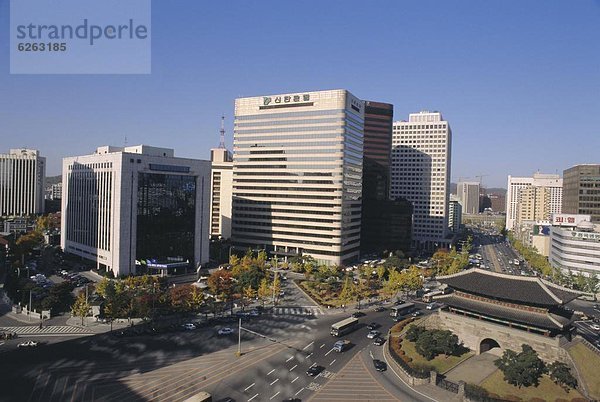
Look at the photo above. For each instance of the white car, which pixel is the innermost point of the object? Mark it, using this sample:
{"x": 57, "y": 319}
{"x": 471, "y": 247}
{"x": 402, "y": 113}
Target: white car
{"x": 373, "y": 334}
{"x": 595, "y": 327}
{"x": 189, "y": 326}
{"x": 28, "y": 344}
{"x": 225, "y": 331}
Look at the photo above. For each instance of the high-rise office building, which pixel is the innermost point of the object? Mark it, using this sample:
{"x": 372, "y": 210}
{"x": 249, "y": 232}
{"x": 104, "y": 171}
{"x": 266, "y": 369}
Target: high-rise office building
{"x": 421, "y": 154}
{"x": 468, "y": 196}
{"x": 533, "y": 204}
{"x": 454, "y": 214}
{"x": 581, "y": 191}
{"x": 136, "y": 209}
{"x": 22, "y": 177}
{"x": 297, "y": 174}
{"x": 221, "y": 186}
{"x": 552, "y": 181}
{"x": 386, "y": 224}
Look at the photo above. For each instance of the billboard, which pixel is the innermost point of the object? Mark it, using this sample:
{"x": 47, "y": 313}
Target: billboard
{"x": 569, "y": 219}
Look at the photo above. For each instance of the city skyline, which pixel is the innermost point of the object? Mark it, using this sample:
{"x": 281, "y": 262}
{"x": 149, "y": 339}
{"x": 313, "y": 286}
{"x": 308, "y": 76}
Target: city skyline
{"x": 509, "y": 82}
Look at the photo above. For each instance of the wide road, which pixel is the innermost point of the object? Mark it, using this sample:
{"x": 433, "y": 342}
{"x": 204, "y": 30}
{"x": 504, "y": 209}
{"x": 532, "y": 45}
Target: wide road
{"x": 173, "y": 366}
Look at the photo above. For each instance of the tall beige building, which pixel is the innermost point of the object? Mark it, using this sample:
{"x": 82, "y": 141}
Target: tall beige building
{"x": 297, "y": 174}
{"x": 515, "y": 184}
{"x": 468, "y": 196}
{"x": 534, "y": 204}
{"x": 421, "y": 153}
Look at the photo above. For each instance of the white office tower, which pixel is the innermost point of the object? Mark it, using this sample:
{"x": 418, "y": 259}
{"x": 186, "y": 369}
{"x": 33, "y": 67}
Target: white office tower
{"x": 421, "y": 153}
{"x": 22, "y": 177}
{"x": 136, "y": 209}
{"x": 221, "y": 186}
{"x": 552, "y": 182}
{"x": 468, "y": 196}
{"x": 297, "y": 174}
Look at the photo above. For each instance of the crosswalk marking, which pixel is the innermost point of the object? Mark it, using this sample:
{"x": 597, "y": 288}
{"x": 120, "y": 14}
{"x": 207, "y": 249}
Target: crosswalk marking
{"x": 49, "y": 330}
{"x": 297, "y": 311}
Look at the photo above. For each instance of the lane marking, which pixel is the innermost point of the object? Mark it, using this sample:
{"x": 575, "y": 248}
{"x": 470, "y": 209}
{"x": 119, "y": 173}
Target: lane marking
{"x": 322, "y": 346}
{"x": 278, "y": 392}
{"x": 332, "y": 362}
{"x": 291, "y": 357}
{"x": 330, "y": 350}
{"x": 309, "y": 356}
{"x": 277, "y": 379}
{"x": 249, "y": 386}
{"x": 308, "y": 346}
{"x": 314, "y": 364}
{"x": 294, "y": 367}
{"x": 301, "y": 389}
{"x": 270, "y": 372}
{"x": 295, "y": 379}
{"x": 252, "y": 397}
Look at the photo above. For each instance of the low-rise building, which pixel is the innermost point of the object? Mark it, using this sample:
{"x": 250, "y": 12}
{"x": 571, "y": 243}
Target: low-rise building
{"x": 575, "y": 244}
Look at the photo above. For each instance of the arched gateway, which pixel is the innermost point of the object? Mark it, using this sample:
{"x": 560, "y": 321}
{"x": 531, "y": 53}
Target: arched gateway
{"x": 487, "y": 344}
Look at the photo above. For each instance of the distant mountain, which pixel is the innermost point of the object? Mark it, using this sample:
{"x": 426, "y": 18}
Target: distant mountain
{"x": 489, "y": 190}
{"x": 53, "y": 180}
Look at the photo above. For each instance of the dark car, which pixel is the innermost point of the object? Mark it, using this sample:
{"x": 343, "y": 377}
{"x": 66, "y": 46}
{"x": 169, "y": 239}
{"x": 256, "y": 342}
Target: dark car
{"x": 379, "y": 365}
{"x": 314, "y": 371}
{"x": 379, "y": 309}
{"x": 358, "y": 314}
{"x": 372, "y": 325}
{"x": 378, "y": 341}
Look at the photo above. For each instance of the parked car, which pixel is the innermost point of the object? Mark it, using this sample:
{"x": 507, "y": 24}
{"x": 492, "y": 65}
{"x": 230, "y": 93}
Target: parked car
{"x": 379, "y": 365}
{"x": 225, "y": 331}
{"x": 314, "y": 371}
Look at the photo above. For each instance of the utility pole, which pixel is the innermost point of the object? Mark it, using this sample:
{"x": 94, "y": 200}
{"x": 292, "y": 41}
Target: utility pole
{"x": 29, "y": 306}
{"x": 239, "y": 351}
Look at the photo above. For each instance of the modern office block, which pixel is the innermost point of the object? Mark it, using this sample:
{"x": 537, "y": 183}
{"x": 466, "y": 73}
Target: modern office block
{"x": 581, "y": 190}
{"x": 421, "y": 154}
{"x": 297, "y": 174}
{"x": 136, "y": 209}
{"x": 468, "y": 196}
{"x": 22, "y": 177}
{"x": 552, "y": 181}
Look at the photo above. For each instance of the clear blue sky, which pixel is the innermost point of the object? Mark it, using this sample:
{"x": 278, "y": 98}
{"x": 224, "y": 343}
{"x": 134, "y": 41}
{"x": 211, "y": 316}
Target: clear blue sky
{"x": 519, "y": 81}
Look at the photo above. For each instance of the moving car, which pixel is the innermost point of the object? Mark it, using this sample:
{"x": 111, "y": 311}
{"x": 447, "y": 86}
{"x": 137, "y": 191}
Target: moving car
{"x": 189, "y": 326}
{"x": 379, "y": 365}
{"x": 372, "y": 325}
{"x": 378, "y": 341}
{"x": 28, "y": 344}
{"x": 595, "y": 327}
{"x": 358, "y": 314}
{"x": 225, "y": 331}
{"x": 373, "y": 334}
{"x": 416, "y": 314}
{"x": 340, "y": 346}
{"x": 314, "y": 371}
{"x": 379, "y": 309}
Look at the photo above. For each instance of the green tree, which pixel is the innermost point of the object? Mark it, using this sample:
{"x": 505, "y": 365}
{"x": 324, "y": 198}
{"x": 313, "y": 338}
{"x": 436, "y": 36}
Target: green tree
{"x": 560, "y": 373}
{"x": 81, "y": 307}
{"x": 521, "y": 369}
{"x": 276, "y": 287}
{"x": 347, "y": 292}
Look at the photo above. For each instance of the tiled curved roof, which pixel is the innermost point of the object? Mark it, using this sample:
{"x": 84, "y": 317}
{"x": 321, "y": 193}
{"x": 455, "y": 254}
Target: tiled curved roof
{"x": 520, "y": 289}
{"x": 539, "y": 320}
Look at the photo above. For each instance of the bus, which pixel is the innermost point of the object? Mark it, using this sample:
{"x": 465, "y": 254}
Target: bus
{"x": 402, "y": 309}
{"x": 344, "y": 326}
{"x": 428, "y": 297}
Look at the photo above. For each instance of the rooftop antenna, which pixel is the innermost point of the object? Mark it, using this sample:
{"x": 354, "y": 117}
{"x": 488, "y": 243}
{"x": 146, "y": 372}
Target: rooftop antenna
{"x": 222, "y": 131}
{"x": 125, "y": 141}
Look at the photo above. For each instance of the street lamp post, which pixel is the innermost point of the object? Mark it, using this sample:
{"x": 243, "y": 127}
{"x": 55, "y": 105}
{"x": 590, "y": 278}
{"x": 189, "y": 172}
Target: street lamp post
{"x": 239, "y": 351}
